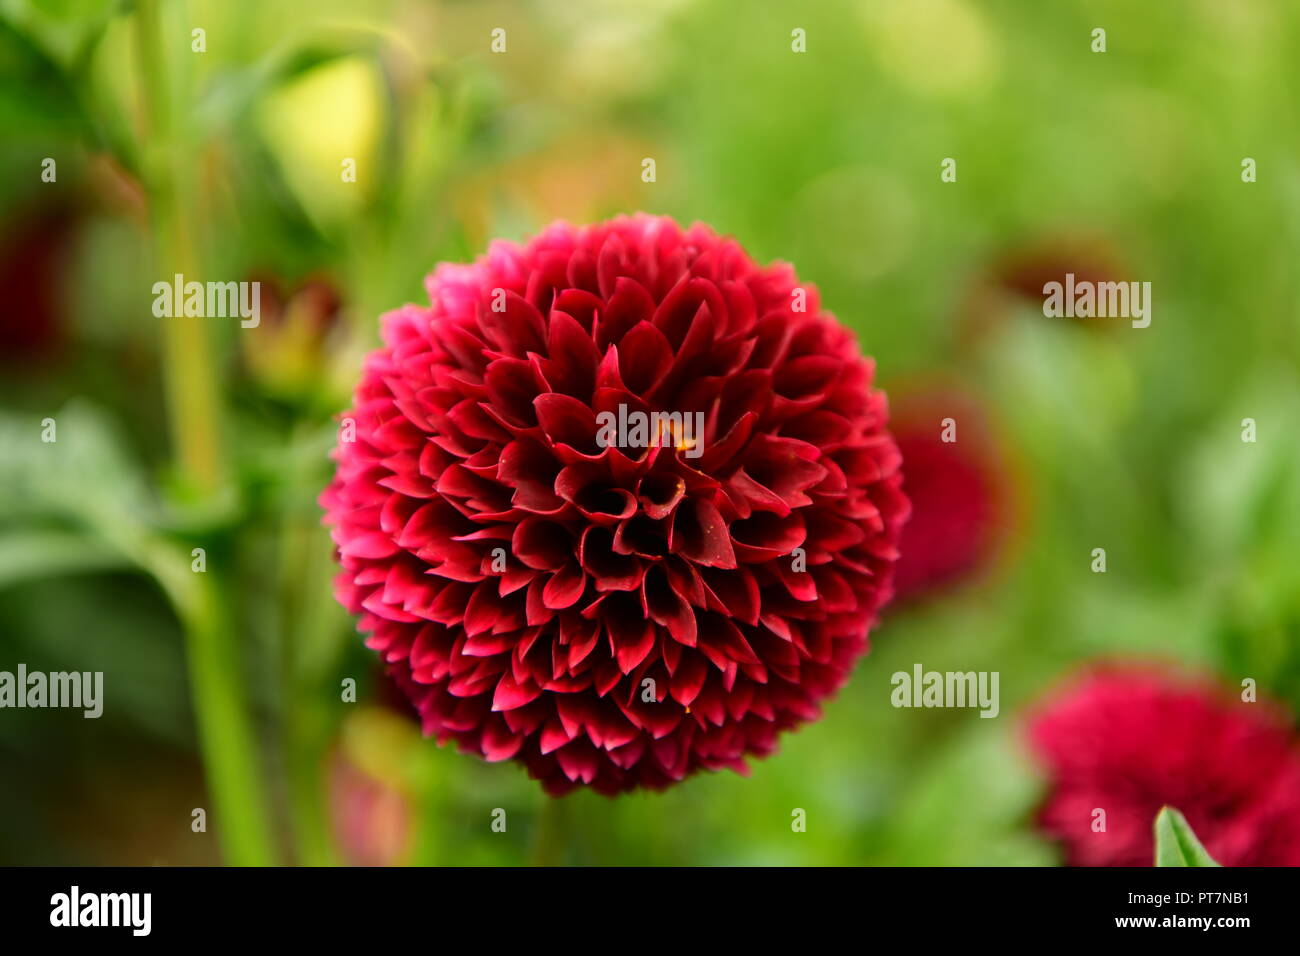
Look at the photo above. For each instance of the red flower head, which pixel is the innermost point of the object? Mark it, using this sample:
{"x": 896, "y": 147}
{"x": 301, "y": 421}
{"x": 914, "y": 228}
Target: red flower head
{"x": 621, "y": 504}
{"x": 33, "y": 323}
{"x": 1129, "y": 742}
{"x": 959, "y": 487}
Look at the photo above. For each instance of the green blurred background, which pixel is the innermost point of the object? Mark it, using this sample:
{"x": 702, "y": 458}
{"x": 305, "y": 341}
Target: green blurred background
{"x": 223, "y": 689}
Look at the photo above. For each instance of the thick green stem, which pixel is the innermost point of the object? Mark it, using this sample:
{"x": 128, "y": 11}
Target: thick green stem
{"x": 240, "y": 812}
{"x": 548, "y": 841}
{"x": 430, "y": 796}
{"x": 305, "y": 769}
{"x": 192, "y": 404}
{"x": 230, "y": 752}
{"x": 228, "y": 743}
{"x": 305, "y": 724}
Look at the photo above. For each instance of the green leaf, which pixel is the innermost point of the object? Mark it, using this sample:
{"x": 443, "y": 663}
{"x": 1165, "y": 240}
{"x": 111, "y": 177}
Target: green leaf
{"x": 85, "y": 473}
{"x": 84, "y": 478}
{"x": 1176, "y": 844}
{"x": 25, "y": 555}
{"x": 66, "y": 29}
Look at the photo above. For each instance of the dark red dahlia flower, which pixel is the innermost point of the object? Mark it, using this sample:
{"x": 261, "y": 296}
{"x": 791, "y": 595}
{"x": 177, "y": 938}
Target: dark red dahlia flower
{"x": 1129, "y": 742}
{"x": 616, "y": 613}
{"x": 960, "y": 491}
{"x": 33, "y": 322}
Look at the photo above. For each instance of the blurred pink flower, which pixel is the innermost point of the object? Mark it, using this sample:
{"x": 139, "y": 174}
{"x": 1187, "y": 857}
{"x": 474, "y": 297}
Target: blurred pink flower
{"x": 371, "y": 820}
{"x": 1129, "y": 741}
{"x": 961, "y": 491}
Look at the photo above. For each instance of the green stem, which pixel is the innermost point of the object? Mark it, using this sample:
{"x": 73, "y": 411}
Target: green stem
{"x": 548, "y": 839}
{"x": 430, "y": 794}
{"x": 231, "y": 758}
{"x": 227, "y": 741}
{"x": 229, "y": 746}
{"x": 305, "y": 724}
{"x": 193, "y": 407}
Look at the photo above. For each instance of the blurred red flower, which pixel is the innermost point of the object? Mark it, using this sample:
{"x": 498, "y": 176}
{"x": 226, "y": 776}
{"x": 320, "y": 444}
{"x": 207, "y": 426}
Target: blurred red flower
{"x": 287, "y": 357}
{"x": 616, "y": 614}
{"x": 1131, "y": 741}
{"x": 371, "y": 820}
{"x": 958, "y": 484}
{"x": 33, "y": 246}
{"x": 1016, "y": 276}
